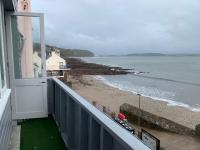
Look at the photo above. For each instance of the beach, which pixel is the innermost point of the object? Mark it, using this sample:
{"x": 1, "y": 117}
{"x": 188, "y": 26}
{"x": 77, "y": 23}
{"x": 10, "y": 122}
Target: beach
{"x": 93, "y": 89}
{"x": 98, "y": 81}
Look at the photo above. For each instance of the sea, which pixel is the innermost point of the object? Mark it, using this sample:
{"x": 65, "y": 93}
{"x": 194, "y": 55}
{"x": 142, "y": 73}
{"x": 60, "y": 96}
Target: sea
{"x": 172, "y": 79}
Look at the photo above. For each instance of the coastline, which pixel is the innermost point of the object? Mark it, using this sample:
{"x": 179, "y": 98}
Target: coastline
{"x": 169, "y": 102}
{"x": 81, "y": 67}
{"x": 94, "y": 89}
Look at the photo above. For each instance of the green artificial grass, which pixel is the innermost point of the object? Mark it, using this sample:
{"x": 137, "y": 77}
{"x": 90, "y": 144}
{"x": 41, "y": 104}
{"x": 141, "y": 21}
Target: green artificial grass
{"x": 40, "y": 134}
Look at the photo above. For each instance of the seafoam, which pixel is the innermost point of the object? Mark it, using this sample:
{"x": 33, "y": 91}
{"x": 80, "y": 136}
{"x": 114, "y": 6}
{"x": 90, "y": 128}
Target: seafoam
{"x": 168, "y": 101}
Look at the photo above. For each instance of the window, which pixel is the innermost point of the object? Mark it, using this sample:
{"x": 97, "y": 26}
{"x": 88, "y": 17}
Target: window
{"x": 26, "y": 53}
{"x": 61, "y": 63}
{"x": 1, "y": 56}
{"x": 2, "y": 64}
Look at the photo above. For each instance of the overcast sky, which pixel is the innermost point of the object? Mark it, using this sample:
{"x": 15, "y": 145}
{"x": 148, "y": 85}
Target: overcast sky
{"x": 122, "y": 26}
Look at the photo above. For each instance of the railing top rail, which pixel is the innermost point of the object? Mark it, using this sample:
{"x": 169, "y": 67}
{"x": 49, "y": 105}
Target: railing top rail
{"x": 114, "y": 129}
{"x": 3, "y": 101}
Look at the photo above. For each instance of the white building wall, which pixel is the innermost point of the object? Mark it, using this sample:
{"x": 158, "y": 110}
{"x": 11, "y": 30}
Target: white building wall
{"x": 53, "y": 62}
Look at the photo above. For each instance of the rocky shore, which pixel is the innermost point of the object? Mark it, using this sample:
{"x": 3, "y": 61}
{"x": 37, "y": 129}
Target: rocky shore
{"x": 80, "y": 67}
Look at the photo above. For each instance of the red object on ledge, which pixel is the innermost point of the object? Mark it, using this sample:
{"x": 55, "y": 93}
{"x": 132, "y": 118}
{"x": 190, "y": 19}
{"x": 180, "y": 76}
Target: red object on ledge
{"x": 121, "y": 116}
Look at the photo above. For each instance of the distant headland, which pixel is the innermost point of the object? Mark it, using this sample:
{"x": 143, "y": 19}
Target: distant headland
{"x": 70, "y": 52}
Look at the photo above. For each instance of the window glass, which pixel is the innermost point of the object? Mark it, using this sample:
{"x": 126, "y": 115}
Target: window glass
{"x": 27, "y": 47}
{"x": 1, "y": 56}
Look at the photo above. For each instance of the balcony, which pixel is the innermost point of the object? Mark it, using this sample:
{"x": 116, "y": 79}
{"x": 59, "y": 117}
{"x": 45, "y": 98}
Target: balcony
{"x": 80, "y": 125}
{"x": 63, "y": 67}
{"x": 84, "y": 127}
{"x": 40, "y": 134}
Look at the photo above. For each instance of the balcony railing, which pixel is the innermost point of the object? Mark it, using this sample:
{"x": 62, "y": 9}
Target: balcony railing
{"x": 63, "y": 67}
{"x": 5, "y": 121}
{"x": 82, "y": 126}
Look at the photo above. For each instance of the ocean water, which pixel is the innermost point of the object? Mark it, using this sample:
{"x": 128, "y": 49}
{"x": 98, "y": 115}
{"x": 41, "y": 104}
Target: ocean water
{"x": 173, "y": 79}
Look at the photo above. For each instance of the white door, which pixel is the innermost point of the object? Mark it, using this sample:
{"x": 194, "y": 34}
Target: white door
{"x": 27, "y": 70}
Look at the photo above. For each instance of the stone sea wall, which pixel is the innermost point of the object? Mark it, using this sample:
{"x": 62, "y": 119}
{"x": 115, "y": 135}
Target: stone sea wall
{"x": 151, "y": 120}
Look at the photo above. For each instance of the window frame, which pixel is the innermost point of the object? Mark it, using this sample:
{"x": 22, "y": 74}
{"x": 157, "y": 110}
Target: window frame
{"x": 2, "y": 38}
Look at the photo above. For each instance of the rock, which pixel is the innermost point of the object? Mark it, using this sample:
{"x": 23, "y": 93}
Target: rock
{"x": 197, "y": 129}
{"x": 80, "y": 67}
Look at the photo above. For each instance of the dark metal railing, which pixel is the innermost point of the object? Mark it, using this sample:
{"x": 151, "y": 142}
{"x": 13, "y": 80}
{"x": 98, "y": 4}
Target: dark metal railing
{"x": 82, "y": 126}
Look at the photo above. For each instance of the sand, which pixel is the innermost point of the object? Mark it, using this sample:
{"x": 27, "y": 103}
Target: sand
{"x": 95, "y": 90}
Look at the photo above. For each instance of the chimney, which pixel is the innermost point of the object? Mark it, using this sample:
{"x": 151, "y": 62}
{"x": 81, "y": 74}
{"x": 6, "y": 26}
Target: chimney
{"x": 57, "y": 52}
{"x": 24, "y": 6}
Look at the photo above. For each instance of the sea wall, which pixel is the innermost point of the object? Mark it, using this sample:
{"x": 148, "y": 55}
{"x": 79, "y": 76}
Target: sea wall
{"x": 150, "y": 120}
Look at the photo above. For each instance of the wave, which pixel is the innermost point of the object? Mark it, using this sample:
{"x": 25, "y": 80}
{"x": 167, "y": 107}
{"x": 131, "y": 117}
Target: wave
{"x": 168, "y": 101}
{"x": 164, "y": 79}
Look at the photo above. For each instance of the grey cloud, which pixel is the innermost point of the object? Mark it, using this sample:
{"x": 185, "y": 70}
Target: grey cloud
{"x": 122, "y": 26}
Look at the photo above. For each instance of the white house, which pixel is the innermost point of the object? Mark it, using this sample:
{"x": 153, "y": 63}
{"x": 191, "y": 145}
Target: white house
{"x": 55, "y": 64}
{"x": 37, "y": 64}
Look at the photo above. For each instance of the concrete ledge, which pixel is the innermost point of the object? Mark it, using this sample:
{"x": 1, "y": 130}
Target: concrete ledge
{"x": 15, "y": 138}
